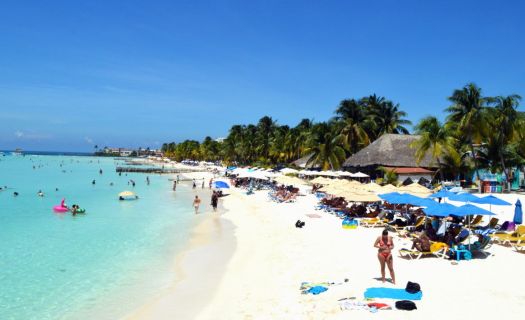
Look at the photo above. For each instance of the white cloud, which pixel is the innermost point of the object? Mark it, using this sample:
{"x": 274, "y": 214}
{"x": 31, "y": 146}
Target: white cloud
{"x": 31, "y": 135}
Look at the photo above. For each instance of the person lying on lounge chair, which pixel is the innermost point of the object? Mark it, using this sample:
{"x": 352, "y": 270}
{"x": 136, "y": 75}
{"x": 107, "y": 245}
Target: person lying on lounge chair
{"x": 422, "y": 243}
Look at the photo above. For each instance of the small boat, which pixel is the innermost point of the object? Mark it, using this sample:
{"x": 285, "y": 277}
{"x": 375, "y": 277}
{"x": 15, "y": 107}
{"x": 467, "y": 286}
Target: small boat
{"x": 17, "y": 152}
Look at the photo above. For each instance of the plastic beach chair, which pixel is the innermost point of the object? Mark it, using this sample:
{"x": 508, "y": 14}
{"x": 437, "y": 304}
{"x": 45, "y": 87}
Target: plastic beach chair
{"x": 519, "y": 245}
{"x": 437, "y": 249}
{"x": 509, "y": 237}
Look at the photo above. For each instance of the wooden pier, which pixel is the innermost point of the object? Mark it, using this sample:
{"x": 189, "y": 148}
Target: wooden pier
{"x": 155, "y": 170}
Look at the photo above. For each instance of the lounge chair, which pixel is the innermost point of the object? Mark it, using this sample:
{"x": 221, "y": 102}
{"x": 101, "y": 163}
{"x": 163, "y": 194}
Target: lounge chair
{"x": 437, "y": 249}
{"x": 372, "y": 222}
{"x": 493, "y": 223}
{"x": 519, "y": 245}
{"x": 476, "y": 221}
{"x": 509, "y": 237}
{"x": 405, "y": 231}
{"x": 480, "y": 247}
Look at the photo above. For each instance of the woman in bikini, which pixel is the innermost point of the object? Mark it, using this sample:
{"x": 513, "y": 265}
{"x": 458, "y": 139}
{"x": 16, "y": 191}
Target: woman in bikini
{"x": 385, "y": 244}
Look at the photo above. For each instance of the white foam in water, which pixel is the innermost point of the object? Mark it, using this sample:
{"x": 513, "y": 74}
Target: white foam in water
{"x": 99, "y": 265}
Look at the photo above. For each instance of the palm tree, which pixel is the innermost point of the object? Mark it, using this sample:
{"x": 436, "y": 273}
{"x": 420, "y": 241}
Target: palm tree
{"x": 265, "y": 128}
{"x": 353, "y": 123}
{"x": 436, "y": 138}
{"x": 327, "y": 147}
{"x": 507, "y": 121}
{"x": 389, "y": 119}
{"x": 467, "y": 111}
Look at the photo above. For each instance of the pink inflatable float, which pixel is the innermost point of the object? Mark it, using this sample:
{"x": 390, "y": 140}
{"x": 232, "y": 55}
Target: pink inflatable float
{"x": 61, "y": 208}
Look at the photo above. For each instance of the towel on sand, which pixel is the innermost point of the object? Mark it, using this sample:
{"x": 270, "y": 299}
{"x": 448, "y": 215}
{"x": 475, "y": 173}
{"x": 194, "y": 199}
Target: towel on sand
{"x": 392, "y": 293}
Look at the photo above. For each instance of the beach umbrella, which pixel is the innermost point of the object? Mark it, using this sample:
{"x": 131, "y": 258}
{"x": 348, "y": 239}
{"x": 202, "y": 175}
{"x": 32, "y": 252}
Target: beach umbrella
{"x": 492, "y": 200}
{"x": 221, "y": 185}
{"x": 442, "y": 194}
{"x": 470, "y": 209}
{"x": 389, "y": 196}
{"x": 440, "y": 210}
{"x": 464, "y": 197}
{"x": 518, "y": 213}
{"x": 360, "y": 175}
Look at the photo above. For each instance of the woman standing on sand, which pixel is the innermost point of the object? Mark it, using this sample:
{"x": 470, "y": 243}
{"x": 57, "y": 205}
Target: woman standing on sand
{"x": 385, "y": 244}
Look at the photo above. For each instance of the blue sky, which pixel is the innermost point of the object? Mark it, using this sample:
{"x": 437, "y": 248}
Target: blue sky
{"x": 139, "y": 73}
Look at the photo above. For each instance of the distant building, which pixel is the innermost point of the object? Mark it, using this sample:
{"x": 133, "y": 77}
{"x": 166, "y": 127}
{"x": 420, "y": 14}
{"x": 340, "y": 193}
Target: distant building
{"x": 392, "y": 151}
{"x": 220, "y": 140}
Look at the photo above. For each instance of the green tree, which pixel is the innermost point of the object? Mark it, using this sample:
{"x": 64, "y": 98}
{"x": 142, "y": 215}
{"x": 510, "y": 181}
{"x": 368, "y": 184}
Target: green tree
{"x": 327, "y": 147}
{"x": 353, "y": 124}
{"x": 436, "y": 139}
{"x": 467, "y": 112}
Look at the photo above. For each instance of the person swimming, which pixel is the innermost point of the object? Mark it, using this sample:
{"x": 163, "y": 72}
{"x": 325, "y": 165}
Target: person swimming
{"x": 40, "y": 193}
{"x": 385, "y": 244}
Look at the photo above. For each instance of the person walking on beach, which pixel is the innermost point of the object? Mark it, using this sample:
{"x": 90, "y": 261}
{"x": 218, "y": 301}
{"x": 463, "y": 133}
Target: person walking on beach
{"x": 385, "y": 244}
{"x": 211, "y": 182}
{"x": 202, "y": 183}
{"x": 194, "y": 184}
{"x": 214, "y": 200}
{"x": 174, "y": 185}
{"x": 196, "y": 204}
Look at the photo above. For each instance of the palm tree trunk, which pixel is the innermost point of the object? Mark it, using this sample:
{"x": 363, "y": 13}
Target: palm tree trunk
{"x": 442, "y": 177}
{"x": 476, "y": 170}
{"x": 505, "y": 170}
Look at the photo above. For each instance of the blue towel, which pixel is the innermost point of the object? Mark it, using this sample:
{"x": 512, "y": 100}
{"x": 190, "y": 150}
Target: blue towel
{"x": 316, "y": 290}
{"x": 392, "y": 293}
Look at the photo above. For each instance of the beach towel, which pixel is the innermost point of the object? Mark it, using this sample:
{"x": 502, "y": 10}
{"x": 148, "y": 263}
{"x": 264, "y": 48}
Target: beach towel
{"x": 392, "y": 293}
{"x": 316, "y": 290}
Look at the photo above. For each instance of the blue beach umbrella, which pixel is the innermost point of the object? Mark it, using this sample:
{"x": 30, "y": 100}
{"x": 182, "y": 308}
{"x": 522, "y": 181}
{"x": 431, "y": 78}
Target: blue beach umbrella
{"x": 389, "y": 196}
{"x": 442, "y": 194}
{"x": 464, "y": 197}
{"x": 221, "y": 185}
{"x": 440, "y": 210}
{"x": 470, "y": 209}
{"x": 518, "y": 213}
{"x": 492, "y": 200}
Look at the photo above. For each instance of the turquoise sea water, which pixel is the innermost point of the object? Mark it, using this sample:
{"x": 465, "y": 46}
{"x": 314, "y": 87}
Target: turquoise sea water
{"x": 99, "y": 265}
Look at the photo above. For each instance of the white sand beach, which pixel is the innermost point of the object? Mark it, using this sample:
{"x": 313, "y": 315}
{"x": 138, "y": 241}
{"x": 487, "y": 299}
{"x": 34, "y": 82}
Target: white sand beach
{"x": 249, "y": 263}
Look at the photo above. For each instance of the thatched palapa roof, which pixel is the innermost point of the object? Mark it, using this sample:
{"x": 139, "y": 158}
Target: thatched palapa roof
{"x": 390, "y": 150}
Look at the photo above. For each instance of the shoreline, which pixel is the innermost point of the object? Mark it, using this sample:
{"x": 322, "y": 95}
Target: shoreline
{"x": 198, "y": 268}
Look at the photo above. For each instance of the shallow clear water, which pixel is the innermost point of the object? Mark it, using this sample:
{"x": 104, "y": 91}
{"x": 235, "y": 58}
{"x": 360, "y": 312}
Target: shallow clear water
{"x": 99, "y": 265}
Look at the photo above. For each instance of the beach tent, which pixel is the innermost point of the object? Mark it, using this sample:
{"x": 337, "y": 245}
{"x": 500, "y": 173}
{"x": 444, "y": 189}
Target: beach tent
{"x": 518, "y": 213}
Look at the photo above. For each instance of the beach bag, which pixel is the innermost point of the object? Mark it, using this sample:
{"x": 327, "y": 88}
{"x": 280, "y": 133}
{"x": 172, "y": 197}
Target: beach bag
{"x": 413, "y": 287}
{"x": 405, "y": 305}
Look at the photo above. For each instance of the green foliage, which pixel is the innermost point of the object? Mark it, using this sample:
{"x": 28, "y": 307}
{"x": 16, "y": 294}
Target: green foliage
{"x": 486, "y": 132}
